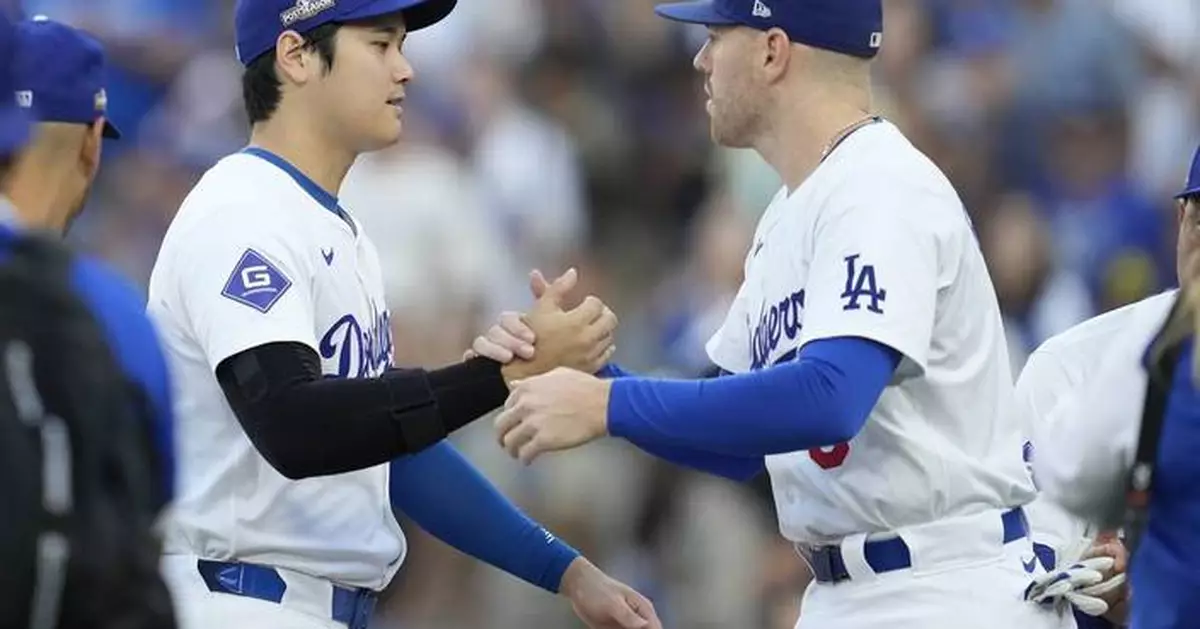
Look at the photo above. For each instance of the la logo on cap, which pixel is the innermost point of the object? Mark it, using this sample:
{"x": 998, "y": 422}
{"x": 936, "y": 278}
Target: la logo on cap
{"x": 101, "y": 101}
{"x": 876, "y": 39}
{"x": 25, "y": 99}
{"x": 304, "y": 10}
{"x": 760, "y": 10}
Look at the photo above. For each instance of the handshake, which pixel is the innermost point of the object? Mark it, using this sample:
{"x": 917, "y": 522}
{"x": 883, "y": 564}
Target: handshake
{"x": 581, "y": 339}
{"x": 556, "y": 403}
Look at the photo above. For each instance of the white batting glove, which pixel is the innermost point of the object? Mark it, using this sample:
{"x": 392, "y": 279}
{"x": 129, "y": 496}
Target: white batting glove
{"x": 1080, "y": 585}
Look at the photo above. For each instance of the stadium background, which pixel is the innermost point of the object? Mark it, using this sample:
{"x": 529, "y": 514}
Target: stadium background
{"x": 548, "y": 133}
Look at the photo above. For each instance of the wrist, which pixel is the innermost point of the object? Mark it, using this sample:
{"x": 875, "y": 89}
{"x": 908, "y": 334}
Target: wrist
{"x": 575, "y": 576}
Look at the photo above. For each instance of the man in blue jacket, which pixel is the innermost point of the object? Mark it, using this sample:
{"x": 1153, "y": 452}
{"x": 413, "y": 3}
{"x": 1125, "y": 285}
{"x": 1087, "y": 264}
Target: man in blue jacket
{"x": 57, "y": 73}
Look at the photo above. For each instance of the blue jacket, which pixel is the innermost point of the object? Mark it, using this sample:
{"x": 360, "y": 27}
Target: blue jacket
{"x": 121, "y": 312}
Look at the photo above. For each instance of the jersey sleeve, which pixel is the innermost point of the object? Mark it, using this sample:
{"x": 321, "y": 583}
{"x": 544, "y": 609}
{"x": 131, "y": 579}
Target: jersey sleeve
{"x": 1086, "y": 445}
{"x": 1042, "y": 383}
{"x": 874, "y": 272}
{"x": 239, "y": 289}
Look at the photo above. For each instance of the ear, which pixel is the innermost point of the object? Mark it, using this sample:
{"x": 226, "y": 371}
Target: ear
{"x": 294, "y": 63}
{"x": 778, "y": 53}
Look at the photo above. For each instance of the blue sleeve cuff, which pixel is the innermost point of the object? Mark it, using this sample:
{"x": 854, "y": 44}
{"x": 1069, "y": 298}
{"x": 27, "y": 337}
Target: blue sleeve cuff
{"x": 821, "y": 399}
{"x": 612, "y": 371}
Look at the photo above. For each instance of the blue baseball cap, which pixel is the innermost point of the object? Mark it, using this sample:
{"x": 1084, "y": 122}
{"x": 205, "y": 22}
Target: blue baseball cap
{"x": 59, "y": 74}
{"x": 1192, "y": 186}
{"x": 14, "y": 121}
{"x": 259, "y": 23}
{"x": 852, "y": 27}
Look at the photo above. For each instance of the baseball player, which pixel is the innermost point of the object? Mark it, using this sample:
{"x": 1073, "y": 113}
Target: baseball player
{"x": 869, "y": 373}
{"x": 298, "y": 437}
{"x": 1085, "y": 452}
{"x": 1048, "y": 391}
{"x": 58, "y": 72}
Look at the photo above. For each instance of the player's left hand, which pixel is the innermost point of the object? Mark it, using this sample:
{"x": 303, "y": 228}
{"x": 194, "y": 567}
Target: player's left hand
{"x": 1114, "y": 590}
{"x": 559, "y": 410}
{"x": 1081, "y": 584}
{"x": 602, "y": 602}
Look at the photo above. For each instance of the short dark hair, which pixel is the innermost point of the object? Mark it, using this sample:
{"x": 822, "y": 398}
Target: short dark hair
{"x": 261, "y": 88}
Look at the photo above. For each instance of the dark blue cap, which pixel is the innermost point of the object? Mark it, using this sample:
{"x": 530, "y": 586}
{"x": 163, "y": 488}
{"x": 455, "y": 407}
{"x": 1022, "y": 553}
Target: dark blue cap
{"x": 14, "y": 121}
{"x": 1192, "y": 187}
{"x": 59, "y": 74}
{"x": 852, "y": 27}
{"x": 259, "y": 23}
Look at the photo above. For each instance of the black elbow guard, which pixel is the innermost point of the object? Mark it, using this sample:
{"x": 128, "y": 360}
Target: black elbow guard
{"x": 414, "y": 409}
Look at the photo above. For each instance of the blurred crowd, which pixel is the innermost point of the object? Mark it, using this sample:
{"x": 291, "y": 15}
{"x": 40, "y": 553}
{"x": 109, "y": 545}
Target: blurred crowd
{"x": 556, "y": 133}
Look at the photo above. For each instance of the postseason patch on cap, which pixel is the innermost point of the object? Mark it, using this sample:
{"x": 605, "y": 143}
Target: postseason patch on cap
{"x": 305, "y": 10}
{"x": 255, "y": 282}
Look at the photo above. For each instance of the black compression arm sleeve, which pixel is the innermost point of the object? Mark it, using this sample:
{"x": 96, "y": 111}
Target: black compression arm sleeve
{"x": 305, "y": 425}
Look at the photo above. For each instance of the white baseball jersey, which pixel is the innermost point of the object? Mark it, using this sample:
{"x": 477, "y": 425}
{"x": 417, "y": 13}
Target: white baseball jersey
{"x": 1056, "y": 373}
{"x": 258, "y": 254}
{"x": 1084, "y": 451}
{"x": 876, "y": 244}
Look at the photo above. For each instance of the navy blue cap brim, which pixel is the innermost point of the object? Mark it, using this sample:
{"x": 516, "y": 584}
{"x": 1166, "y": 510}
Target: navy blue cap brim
{"x": 418, "y": 14}
{"x": 1190, "y": 192}
{"x": 697, "y": 12}
{"x": 14, "y": 130}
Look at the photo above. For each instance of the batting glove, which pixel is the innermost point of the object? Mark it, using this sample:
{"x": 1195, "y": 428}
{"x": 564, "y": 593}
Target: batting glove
{"x": 1080, "y": 585}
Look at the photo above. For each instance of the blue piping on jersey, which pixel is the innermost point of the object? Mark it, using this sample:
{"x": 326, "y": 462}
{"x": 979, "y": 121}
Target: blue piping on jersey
{"x": 319, "y": 194}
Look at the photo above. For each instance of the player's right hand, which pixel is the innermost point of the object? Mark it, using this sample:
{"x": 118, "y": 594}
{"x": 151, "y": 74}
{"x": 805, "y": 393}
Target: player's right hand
{"x": 581, "y": 339}
{"x": 602, "y": 602}
{"x": 511, "y": 338}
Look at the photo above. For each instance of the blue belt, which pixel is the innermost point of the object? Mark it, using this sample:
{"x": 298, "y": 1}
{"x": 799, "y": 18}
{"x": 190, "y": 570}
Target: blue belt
{"x": 891, "y": 554}
{"x": 350, "y": 606}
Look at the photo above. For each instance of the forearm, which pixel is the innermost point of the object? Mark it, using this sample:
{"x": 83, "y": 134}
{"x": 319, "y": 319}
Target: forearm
{"x": 305, "y": 425}
{"x": 821, "y": 399}
{"x": 447, "y": 497}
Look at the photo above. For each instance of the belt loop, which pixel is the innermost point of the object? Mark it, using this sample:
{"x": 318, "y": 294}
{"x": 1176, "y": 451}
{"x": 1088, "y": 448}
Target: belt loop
{"x": 854, "y": 557}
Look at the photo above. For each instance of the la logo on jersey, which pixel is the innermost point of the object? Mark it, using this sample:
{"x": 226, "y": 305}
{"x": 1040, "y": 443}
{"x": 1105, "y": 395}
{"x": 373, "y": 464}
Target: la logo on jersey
{"x": 862, "y": 285}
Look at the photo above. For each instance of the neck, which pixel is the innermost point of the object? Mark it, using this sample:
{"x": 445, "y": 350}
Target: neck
{"x": 806, "y": 126}
{"x": 34, "y": 188}
{"x": 307, "y": 147}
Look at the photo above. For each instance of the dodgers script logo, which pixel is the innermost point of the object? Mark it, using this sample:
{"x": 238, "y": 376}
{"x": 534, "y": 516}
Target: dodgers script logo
{"x": 781, "y": 320}
{"x": 360, "y": 353}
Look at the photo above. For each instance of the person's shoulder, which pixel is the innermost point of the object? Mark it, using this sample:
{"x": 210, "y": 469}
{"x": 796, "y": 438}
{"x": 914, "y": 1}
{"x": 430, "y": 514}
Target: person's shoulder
{"x": 880, "y": 165}
{"x": 241, "y": 195}
{"x": 104, "y": 288}
{"x": 1084, "y": 341}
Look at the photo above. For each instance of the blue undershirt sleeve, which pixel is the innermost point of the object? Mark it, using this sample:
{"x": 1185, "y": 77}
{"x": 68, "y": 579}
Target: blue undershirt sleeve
{"x": 447, "y": 497}
{"x": 612, "y": 371}
{"x": 734, "y": 468}
{"x": 821, "y": 399}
